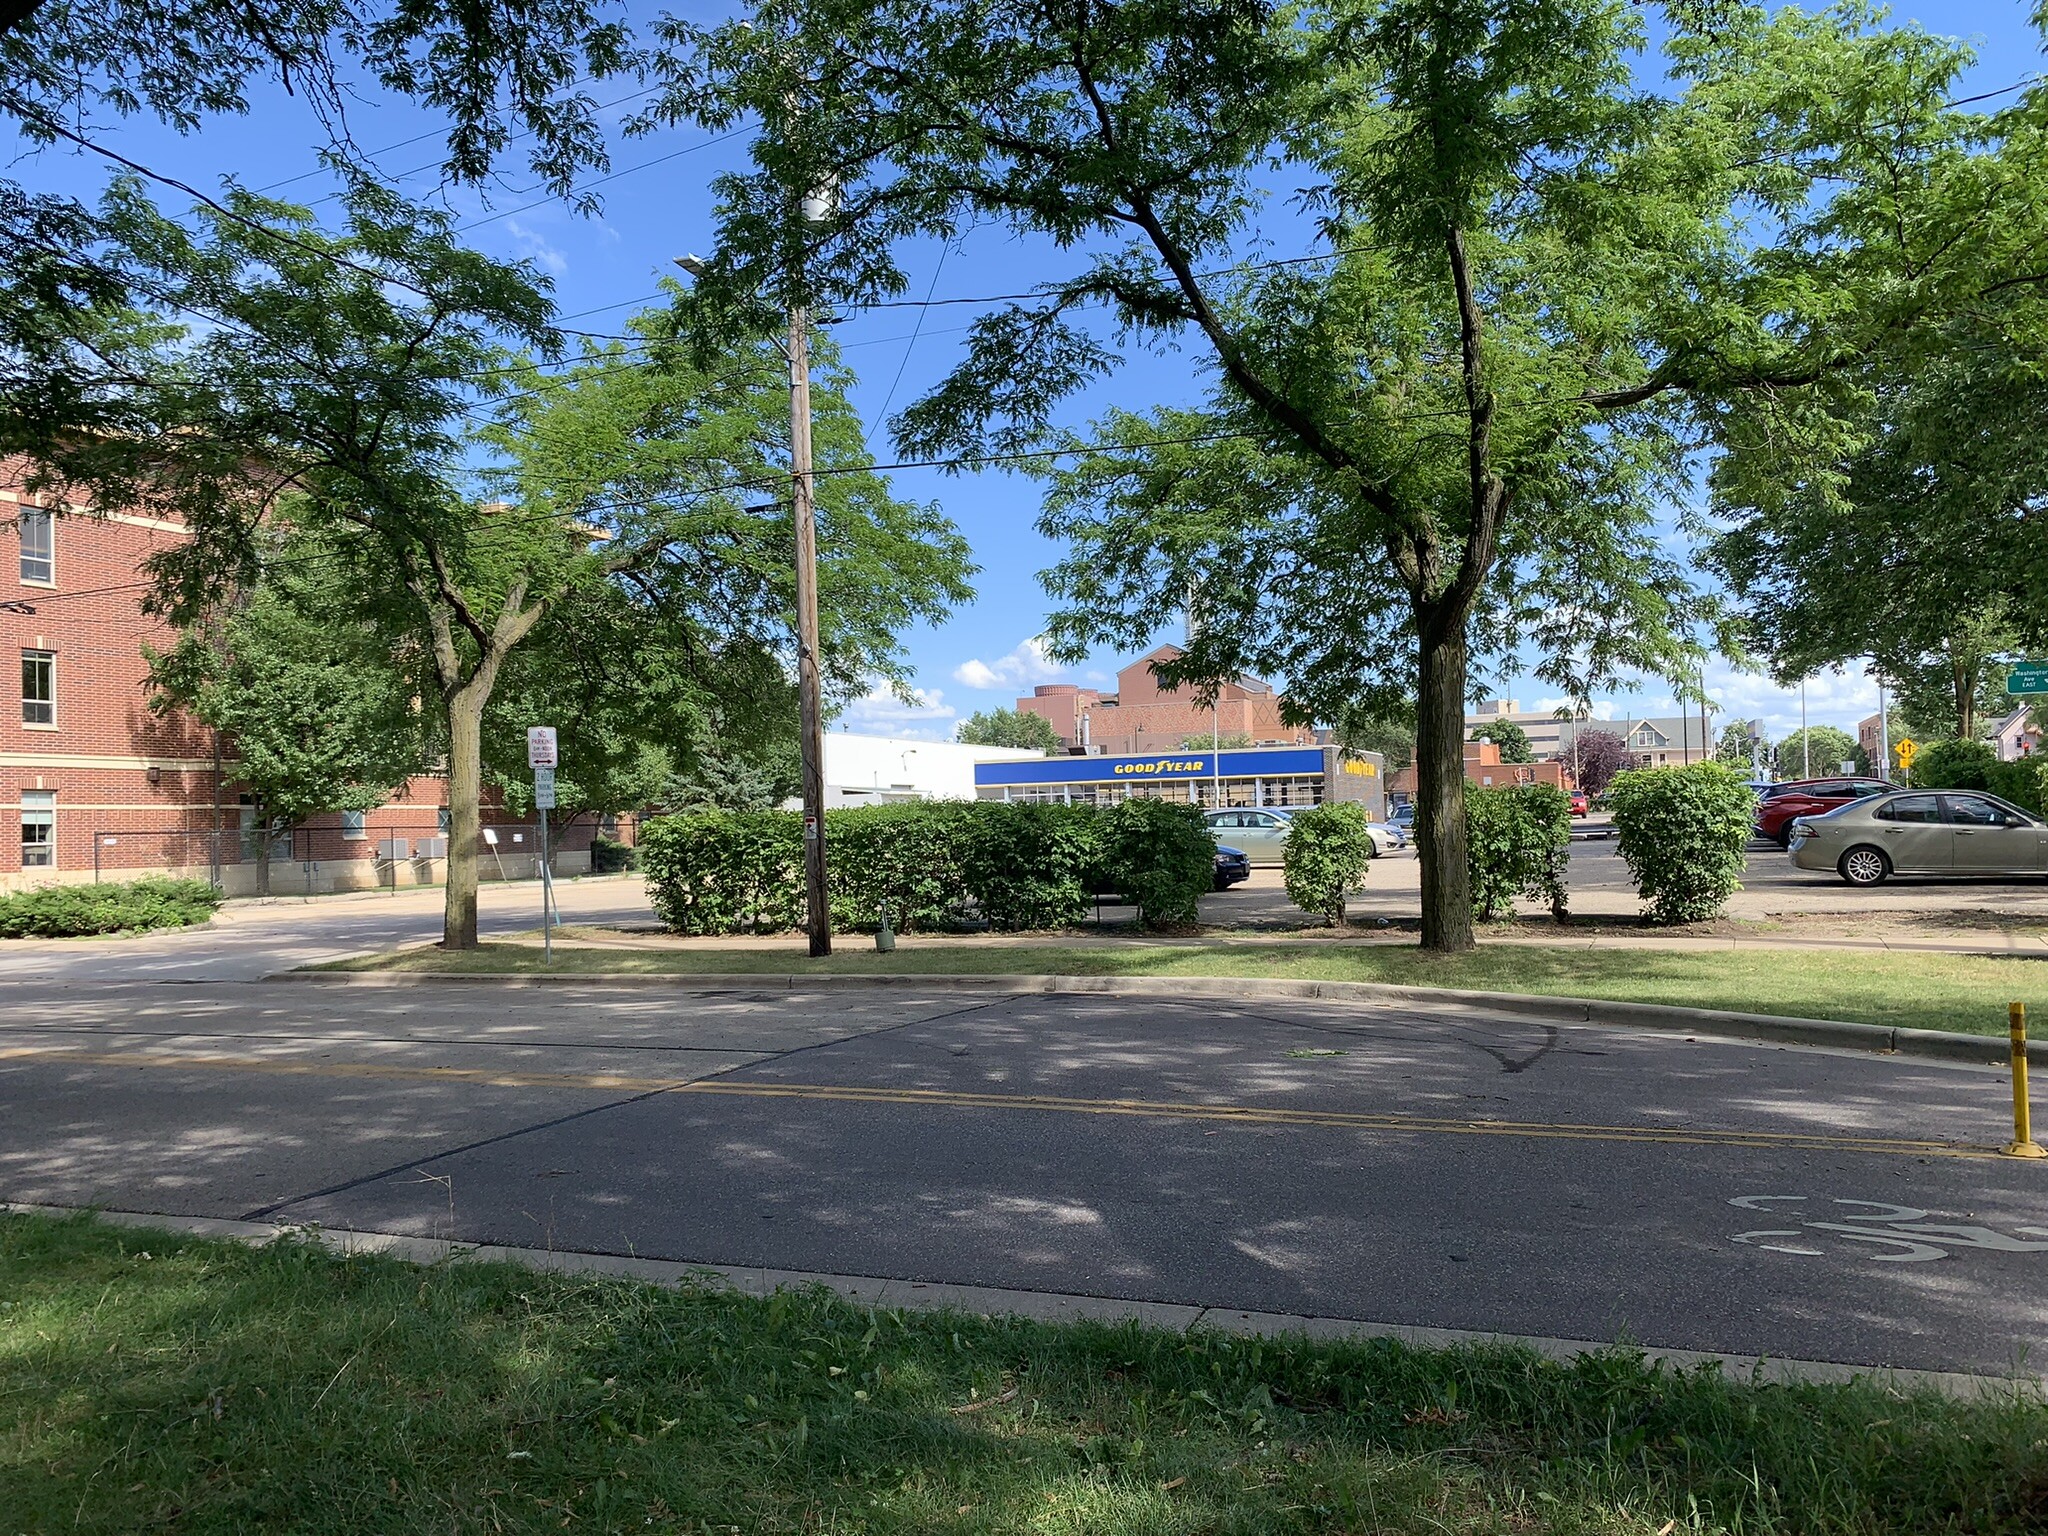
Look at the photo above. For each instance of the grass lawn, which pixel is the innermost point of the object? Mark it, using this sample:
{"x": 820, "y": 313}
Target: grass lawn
{"x": 154, "y": 1382}
{"x": 1902, "y": 990}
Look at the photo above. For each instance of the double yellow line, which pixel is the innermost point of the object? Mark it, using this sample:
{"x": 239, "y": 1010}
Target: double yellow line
{"x": 934, "y": 1098}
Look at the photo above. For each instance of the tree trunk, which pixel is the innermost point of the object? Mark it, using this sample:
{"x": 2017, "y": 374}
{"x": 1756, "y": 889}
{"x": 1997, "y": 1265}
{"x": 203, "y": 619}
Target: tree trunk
{"x": 262, "y": 858}
{"x": 1966, "y": 698}
{"x": 465, "y": 815}
{"x": 1441, "y": 834}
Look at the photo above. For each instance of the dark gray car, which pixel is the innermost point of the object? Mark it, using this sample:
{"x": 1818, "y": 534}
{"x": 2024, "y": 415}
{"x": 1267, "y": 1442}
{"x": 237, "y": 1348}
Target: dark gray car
{"x": 1946, "y": 832}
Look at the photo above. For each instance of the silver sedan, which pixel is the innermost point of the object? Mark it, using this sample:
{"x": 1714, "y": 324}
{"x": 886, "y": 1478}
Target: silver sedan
{"x": 1953, "y": 832}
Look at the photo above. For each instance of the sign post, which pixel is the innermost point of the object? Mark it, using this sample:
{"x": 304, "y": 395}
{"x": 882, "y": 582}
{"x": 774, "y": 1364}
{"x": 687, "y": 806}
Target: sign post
{"x": 541, "y": 758}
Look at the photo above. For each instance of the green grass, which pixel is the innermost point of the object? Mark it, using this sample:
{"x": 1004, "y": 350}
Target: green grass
{"x": 1966, "y": 993}
{"x": 154, "y": 1382}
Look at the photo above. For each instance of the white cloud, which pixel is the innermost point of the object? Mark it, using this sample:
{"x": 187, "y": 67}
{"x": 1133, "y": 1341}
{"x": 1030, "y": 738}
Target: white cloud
{"x": 1028, "y": 663}
{"x": 534, "y": 246}
{"x": 878, "y": 712}
{"x": 1837, "y": 699}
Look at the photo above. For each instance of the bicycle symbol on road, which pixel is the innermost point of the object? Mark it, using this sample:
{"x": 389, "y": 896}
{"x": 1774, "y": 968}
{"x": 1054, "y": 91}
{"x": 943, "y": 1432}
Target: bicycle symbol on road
{"x": 1905, "y": 1229}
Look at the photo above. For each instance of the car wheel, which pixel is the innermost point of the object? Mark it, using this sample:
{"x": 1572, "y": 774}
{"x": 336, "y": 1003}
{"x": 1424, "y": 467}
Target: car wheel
{"x": 1865, "y": 866}
{"x": 1785, "y": 837}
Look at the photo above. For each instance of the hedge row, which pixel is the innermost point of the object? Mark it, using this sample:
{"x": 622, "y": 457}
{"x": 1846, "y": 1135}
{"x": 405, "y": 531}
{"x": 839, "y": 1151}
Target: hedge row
{"x": 73, "y": 911}
{"x": 1958, "y": 764}
{"x": 931, "y": 865}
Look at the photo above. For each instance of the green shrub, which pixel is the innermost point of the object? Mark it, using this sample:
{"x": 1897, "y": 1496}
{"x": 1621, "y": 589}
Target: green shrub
{"x": 69, "y": 911}
{"x": 905, "y": 857}
{"x": 725, "y": 871}
{"x": 2024, "y": 783}
{"x": 608, "y": 857}
{"x": 1031, "y": 866}
{"x": 1519, "y": 843}
{"x": 1954, "y": 764}
{"x": 1159, "y": 856}
{"x": 1683, "y": 832}
{"x": 1326, "y": 856}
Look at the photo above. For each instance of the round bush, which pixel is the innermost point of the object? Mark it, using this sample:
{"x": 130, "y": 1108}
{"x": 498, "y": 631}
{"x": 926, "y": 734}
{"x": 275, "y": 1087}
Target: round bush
{"x": 1326, "y": 856}
{"x": 1159, "y": 856}
{"x": 1683, "y": 832}
{"x": 1954, "y": 764}
{"x": 1518, "y": 844}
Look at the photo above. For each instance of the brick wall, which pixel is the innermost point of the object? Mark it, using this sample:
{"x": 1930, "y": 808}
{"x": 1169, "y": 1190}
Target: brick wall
{"x": 133, "y": 789}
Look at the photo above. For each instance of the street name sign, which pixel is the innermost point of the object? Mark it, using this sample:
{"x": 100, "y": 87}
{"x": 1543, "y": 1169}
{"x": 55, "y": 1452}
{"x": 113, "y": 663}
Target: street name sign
{"x": 2029, "y": 677}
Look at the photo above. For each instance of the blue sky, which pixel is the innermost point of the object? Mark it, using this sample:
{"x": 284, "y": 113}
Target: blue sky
{"x": 657, "y": 205}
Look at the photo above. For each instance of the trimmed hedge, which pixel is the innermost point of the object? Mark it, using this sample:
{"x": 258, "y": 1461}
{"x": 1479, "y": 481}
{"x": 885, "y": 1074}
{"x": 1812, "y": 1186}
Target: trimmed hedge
{"x": 1326, "y": 856}
{"x": 1684, "y": 832}
{"x": 1159, "y": 856}
{"x": 2024, "y": 783}
{"x": 74, "y": 911}
{"x": 1519, "y": 843}
{"x": 1024, "y": 866}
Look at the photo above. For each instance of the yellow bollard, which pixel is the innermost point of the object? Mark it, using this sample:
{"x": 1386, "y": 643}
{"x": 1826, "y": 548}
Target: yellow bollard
{"x": 2023, "y": 1143}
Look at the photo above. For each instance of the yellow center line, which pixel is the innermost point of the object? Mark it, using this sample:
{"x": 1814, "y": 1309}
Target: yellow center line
{"x": 936, "y": 1098}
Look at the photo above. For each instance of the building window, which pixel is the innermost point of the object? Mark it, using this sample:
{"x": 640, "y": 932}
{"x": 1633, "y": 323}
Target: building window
{"x": 38, "y": 829}
{"x": 38, "y": 546}
{"x": 442, "y": 821}
{"x": 38, "y": 687}
{"x": 352, "y": 826}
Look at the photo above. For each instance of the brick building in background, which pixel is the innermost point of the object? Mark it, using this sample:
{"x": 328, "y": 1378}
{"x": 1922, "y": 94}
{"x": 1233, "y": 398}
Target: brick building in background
{"x": 1143, "y": 717}
{"x": 1485, "y": 770}
{"x": 92, "y": 779}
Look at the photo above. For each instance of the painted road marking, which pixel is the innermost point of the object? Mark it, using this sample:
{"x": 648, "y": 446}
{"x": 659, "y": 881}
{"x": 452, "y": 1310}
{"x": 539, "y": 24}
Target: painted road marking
{"x": 1879, "y": 1223}
{"x": 1239, "y": 1114}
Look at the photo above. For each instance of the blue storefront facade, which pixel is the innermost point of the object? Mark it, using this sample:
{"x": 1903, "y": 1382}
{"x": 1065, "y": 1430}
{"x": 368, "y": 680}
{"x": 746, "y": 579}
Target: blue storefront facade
{"x": 1250, "y": 776}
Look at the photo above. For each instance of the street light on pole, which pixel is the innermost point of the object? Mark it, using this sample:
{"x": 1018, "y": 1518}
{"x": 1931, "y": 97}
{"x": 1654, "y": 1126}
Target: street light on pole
{"x": 810, "y": 708}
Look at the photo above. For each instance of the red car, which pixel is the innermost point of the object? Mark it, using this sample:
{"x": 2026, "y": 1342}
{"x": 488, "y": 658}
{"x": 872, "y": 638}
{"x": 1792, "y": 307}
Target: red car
{"x": 1808, "y": 797}
{"x": 1580, "y": 804}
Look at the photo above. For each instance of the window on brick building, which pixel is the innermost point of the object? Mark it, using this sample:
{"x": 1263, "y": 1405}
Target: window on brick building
{"x": 38, "y": 545}
{"x": 38, "y": 829}
{"x": 353, "y": 825}
{"x": 38, "y": 687}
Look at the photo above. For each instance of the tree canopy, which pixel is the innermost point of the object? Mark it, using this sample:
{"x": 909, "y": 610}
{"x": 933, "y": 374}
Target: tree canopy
{"x": 1008, "y": 728}
{"x": 1512, "y": 740}
{"x": 1527, "y": 282}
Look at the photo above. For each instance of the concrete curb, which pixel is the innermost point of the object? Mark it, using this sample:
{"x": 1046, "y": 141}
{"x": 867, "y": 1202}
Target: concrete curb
{"x": 1050, "y": 1306}
{"x": 1772, "y": 1029}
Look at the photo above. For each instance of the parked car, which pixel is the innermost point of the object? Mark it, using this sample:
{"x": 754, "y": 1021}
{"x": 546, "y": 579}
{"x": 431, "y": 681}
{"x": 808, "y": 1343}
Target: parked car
{"x": 1809, "y": 797}
{"x": 1582, "y": 803}
{"x": 1866, "y": 841}
{"x": 1403, "y": 816}
{"x": 1232, "y": 867}
{"x": 1262, "y": 834}
{"x": 1386, "y": 837}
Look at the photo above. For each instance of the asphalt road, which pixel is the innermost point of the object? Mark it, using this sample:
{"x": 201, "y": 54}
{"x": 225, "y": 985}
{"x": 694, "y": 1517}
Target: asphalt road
{"x": 1405, "y": 1167}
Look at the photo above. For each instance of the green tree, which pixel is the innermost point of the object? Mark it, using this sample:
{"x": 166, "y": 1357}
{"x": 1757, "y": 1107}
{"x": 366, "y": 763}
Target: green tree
{"x": 508, "y": 73}
{"x": 1512, "y": 740}
{"x": 1595, "y": 757}
{"x": 1738, "y": 747}
{"x": 1537, "y": 280}
{"x": 351, "y": 362}
{"x": 1392, "y": 735}
{"x": 1008, "y": 728}
{"x": 316, "y": 717}
{"x": 1817, "y": 751}
{"x": 1228, "y": 741}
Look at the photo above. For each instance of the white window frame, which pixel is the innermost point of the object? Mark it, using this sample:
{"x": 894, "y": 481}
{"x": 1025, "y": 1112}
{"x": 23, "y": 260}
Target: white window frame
{"x": 49, "y": 660}
{"x": 47, "y": 519}
{"x": 44, "y": 811}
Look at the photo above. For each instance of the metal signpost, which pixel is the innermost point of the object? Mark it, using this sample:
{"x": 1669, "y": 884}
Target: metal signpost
{"x": 540, "y": 757}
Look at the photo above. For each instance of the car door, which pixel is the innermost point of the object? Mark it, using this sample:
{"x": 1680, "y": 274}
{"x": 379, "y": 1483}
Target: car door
{"x": 1915, "y": 835}
{"x": 1263, "y": 835}
{"x": 1989, "y": 839}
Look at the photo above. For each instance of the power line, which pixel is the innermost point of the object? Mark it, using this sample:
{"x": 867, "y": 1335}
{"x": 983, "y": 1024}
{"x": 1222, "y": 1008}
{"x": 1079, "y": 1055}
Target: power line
{"x": 602, "y": 180}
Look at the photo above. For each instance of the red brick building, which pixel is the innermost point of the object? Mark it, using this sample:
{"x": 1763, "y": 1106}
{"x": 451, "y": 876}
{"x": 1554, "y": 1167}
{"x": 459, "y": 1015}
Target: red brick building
{"x": 1485, "y": 770}
{"x": 92, "y": 779}
{"x": 1143, "y": 717}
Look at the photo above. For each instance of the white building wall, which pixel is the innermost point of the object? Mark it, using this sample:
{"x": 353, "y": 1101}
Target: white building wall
{"x": 869, "y": 770}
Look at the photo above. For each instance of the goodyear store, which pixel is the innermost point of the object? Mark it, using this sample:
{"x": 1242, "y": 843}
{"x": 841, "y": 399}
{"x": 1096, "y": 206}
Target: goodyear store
{"x": 1282, "y": 776}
